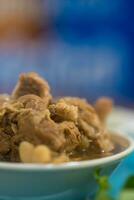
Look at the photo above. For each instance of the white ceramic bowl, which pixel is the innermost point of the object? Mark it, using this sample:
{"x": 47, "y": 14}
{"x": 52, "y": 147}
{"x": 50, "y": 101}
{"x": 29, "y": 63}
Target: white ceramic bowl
{"x": 70, "y": 181}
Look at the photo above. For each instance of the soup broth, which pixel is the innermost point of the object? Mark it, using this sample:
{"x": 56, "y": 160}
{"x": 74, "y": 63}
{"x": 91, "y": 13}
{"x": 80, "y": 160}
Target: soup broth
{"x": 120, "y": 144}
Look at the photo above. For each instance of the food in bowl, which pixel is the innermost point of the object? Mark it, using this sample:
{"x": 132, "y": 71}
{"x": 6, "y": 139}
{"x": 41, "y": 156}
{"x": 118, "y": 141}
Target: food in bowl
{"x": 37, "y": 128}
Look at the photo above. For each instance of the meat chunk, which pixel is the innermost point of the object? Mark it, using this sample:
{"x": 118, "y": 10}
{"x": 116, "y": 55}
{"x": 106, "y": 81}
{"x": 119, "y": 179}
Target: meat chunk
{"x": 103, "y": 107}
{"x": 71, "y": 134}
{"x": 88, "y": 130}
{"x": 11, "y": 116}
{"x": 37, "y": 129}
{"x": 61, "y": 111}
{"x": 8, "y": 118}
{"x": 89, "y": 124}
{"x": 32, "y": 83}
{"x": 82, "y": 104}
{"x": 8, "y": 129}
{"x": 26, "y": 124}
{"x": 103, "y": 143}
{"x": 4, "y": 98}
{"x": 4, "y": 143}
{"x": 33, "y": 101}
{"x": 85, "y": 111}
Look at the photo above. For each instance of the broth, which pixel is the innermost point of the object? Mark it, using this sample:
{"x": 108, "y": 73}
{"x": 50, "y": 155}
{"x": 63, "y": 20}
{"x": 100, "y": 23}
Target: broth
{"x": 120, "y": 144}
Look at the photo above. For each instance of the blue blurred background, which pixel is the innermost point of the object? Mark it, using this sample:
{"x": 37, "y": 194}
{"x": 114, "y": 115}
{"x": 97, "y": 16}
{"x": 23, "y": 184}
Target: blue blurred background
{"x": 83, "y": 47}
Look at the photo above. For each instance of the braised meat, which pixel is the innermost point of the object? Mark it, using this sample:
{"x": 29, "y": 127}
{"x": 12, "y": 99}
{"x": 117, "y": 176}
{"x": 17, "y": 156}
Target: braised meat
{"x": 103, "y": 107}
{"x": 32, "y": 83}
{"x": 31, "y": 101}
{"x": 62, "y": 111}
{"x": 50, "y": 131}
{"x": 4, "y": 98}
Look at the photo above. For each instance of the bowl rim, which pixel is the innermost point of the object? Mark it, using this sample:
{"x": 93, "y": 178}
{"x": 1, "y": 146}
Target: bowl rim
{"x": 74, "y": 164}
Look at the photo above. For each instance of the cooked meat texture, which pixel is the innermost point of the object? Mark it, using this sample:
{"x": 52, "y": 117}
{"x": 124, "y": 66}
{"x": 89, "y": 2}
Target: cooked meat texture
{"x": 87, "y": 115}
{"x": 82, "y": 104}
{"x": 32, "y": 83}
{"x": 71, "y": 134}
{"x": 32, "y": 101}
{"x": 104, "y": 143}
{"x": 8, "y": 129}
{"x": 4, "y": 98}
{"x": 103, "y": 107}
{"x": 26, "y": 124}
{"x": 8, "y": 119}
{"x": 88, "y": 130}
{"x": 59, "y": 137}
{"x": 90, "y": 125}
{"x": 38, "y": 129}
{"x": 61, "y": 111}
{"x": 65, "y": 126}
{"x": 85, "y": 110}
{"x": 4, "y": 143}
{"x": 27, "y": 120}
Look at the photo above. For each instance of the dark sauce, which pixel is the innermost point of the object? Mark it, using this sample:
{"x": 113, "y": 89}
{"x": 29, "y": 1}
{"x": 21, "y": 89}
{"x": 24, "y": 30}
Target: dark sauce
{"x": 120, "y": 144}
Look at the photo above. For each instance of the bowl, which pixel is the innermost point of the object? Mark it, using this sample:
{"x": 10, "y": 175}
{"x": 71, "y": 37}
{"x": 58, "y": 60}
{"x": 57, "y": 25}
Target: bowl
{"x": 68, "y": 181}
